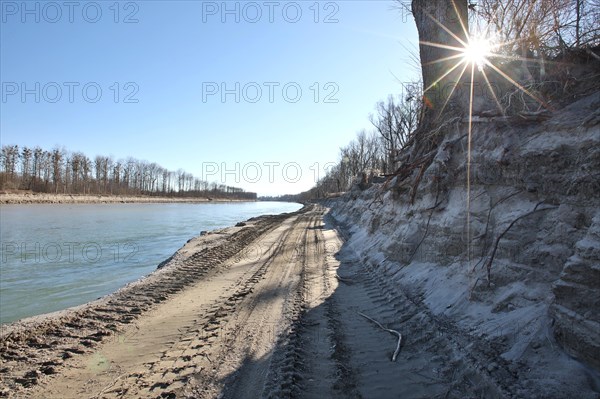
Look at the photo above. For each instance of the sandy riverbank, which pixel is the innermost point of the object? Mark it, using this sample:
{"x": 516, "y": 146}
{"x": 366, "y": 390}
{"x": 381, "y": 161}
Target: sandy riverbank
{"x": 41, "y": 198}
{"x": 274, "y": 308}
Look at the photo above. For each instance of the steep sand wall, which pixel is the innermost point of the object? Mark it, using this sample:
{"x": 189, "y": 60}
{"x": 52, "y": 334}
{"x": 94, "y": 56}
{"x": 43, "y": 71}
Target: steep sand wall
{"x": 521, "y": 266}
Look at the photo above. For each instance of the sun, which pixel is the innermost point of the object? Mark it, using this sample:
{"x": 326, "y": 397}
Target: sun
{"x": 477, "y": 51}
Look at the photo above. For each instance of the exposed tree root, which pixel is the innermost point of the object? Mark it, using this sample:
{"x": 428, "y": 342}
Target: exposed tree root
{"x": 487, "y": 224}
{"x": 432, "y": 209}
{"x": 491, "y": 260}
{"x": 395, "y": 355}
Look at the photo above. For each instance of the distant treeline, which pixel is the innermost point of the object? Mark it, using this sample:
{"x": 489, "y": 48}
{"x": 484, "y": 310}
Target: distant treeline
{"x": 59, "y": 171}
{"x": 372, "y": 154}
{"x": 283, "y": 198}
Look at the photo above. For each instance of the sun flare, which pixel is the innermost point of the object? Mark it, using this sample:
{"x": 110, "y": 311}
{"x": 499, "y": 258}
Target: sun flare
{"x": 477, "y": 51}
{"x": 468, "y": 52}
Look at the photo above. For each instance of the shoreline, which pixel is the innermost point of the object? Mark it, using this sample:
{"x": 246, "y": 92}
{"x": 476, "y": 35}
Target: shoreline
{"x": 43, "y": 198}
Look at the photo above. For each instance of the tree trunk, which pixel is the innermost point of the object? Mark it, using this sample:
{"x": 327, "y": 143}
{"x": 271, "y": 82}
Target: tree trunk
{"x": 453, "y": 15}
{"x": 578, "y": 22}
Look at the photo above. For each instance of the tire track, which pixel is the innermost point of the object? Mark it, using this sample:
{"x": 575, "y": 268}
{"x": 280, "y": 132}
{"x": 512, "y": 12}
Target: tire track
{"x": 252, "y": 378}
{"x": 311, "y": 361}
{"x": 33, "y": 350}
{"x": 192, "y": 353}
{"x": 282, "y": 374}
{"x": 437, "y": 359}
{"x": 479, "y": 370}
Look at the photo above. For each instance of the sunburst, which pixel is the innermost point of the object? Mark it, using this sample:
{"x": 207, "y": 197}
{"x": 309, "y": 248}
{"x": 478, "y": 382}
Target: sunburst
{"x": 478, "y": 51}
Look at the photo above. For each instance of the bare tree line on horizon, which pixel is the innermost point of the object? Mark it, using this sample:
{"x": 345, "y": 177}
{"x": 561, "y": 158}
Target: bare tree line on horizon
{"x": 59, "y": 171}
{"x": 374, "y": 153}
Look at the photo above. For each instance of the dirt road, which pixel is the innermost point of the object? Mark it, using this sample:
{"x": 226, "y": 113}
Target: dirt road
{"x": 208, "y": 323}
{"x": 271, "y": 309}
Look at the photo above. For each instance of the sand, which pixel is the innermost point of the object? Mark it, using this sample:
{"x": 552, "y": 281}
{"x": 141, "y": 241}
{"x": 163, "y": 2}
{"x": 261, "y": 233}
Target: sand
{"x": 269, "y": 309}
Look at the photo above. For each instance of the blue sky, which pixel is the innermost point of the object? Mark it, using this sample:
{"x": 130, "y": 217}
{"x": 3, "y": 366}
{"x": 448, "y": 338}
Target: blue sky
{"x": 161, "y": 66}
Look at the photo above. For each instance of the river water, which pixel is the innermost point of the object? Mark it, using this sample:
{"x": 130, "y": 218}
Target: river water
{"x": 60, "y": 255}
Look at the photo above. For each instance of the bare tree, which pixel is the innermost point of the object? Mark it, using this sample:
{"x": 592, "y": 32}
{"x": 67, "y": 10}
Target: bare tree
{"x": 180, "y": 181}
{"x": 116, "y": 177}
{"x": 128, "y": 174}
{"x": 76, "y": 159}
{"x": 10, "y": 158}
{"x": 46, "y": 166}
{"x": 139, "y": 175}
{"x": 396, "y": 121}
{"x": 57, "y": 167}
{"x": 539, "y": 27}
{"x": 26, "y": 164}
{"x": 386, "y": 121}
{"x": 38, "y": 154}
{"x": 443, "y": 28}
{"x": 103, "y": 165}
{"x": 86, "y": 170}
{"x": 152, "y": 172}
{"x": 67, "y": 180}
{"x": 165, "y": 180}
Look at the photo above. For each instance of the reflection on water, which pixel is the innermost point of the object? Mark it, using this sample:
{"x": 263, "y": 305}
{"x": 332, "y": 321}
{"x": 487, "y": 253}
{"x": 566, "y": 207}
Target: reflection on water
{"x": 61, "y": 255}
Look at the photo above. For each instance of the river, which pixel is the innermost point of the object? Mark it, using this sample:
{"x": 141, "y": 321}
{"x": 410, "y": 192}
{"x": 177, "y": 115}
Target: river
{"x": 61, "y": 255}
